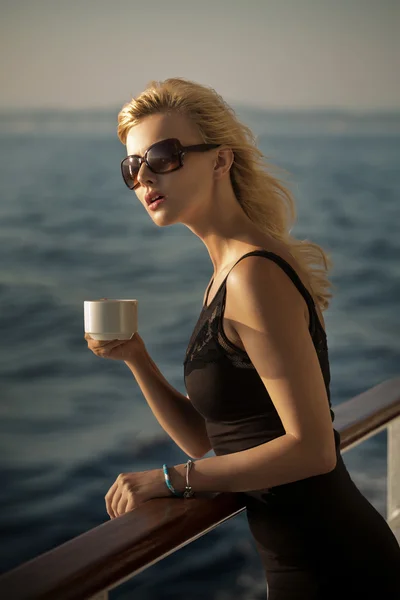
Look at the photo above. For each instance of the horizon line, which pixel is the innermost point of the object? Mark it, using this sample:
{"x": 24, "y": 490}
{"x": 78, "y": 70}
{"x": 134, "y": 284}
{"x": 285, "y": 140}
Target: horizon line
{"x": 235, "y": 106}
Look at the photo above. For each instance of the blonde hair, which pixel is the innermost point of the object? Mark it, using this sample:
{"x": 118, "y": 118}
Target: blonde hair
{"x": 262, "y": 196}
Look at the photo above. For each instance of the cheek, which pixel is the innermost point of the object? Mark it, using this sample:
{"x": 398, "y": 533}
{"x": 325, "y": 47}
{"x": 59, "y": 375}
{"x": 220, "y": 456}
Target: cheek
{"x": 193, "y": 179}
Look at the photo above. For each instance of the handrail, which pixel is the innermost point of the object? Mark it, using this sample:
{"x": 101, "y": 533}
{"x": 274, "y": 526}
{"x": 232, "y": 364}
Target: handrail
{"x": 115, "y": 551}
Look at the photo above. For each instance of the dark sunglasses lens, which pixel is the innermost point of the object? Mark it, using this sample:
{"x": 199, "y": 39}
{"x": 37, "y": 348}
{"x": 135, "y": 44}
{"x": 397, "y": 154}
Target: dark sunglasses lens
{"x": 130, "y": 169}
{"x": 163, "y": 157}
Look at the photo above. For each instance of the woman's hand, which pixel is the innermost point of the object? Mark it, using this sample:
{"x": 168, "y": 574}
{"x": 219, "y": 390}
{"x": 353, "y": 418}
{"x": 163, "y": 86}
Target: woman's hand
{"x": 132, "y": 489}
{"x": 126, "y": 350}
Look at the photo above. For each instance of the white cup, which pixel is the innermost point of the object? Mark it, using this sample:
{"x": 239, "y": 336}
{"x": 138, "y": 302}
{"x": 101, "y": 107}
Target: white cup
{"x": 111, "y": 319}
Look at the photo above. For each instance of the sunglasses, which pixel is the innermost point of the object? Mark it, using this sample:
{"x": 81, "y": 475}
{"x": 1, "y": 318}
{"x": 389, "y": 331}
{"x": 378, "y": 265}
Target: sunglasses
{"x": 162, "y": 157}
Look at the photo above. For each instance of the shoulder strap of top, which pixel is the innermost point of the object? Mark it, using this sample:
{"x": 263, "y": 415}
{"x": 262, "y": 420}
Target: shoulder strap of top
{"x": 291, "y": 274}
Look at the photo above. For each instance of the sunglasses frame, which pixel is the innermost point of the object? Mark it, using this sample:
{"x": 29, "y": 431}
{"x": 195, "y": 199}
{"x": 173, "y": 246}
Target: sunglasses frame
{"x": 181, "y": 151}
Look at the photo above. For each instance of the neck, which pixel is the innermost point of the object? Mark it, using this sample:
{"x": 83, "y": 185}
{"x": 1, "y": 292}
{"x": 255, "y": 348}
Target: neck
{"x": 223, "y": 227}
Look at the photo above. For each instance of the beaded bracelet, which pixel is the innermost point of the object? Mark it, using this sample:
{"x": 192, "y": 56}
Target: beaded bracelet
{"x": 188, "y": 492}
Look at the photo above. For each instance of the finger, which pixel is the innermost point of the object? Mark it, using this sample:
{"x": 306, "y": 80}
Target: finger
{"x": 106, "y": 352}
{"x": 109, "y": 498}
{"x": 102, "y": 343}
{"x": 108, "y": 345}
{"x": 115, "y": 502}
{"x": 121, "y": 508}
{"x": 131, "y": 504}
{"x": 113, "y": 343}
{"x": 97, "y": 347}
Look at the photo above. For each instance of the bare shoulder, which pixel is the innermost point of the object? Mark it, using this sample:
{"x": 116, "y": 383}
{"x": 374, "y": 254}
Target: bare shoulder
{"x": 257, "y": 286}
{"x": 257, "y": 272}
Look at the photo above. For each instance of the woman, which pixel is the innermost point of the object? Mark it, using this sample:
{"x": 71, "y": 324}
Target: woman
{"x": 256, "y": 368}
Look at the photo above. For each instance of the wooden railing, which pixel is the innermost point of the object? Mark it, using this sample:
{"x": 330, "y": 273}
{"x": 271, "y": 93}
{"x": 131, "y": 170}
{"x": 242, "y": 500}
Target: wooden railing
{"x": 89, "y": 565}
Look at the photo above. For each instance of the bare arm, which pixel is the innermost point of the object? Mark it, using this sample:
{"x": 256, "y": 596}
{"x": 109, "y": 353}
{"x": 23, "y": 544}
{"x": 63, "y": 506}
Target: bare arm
{"x": 175, "y": 413}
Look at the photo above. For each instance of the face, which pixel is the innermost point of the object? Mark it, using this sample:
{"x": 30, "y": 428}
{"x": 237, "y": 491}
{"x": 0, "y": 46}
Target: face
{"x": 186, "y": 189}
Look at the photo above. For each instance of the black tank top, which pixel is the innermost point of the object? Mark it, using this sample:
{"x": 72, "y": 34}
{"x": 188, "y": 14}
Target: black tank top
{"x": 314, "y": 532}
{"x": 224, "y": 386}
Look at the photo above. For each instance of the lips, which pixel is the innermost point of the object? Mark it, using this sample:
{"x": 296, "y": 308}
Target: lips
{"x": 152, "y": 196}
{"x": 156, "y": 198}
{"x": 156, "y": 203}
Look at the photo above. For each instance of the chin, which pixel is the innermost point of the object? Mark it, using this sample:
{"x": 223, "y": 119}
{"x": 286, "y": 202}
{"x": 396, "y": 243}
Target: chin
{"x": 165, "y": 221}
{"x": 165, "y": 218}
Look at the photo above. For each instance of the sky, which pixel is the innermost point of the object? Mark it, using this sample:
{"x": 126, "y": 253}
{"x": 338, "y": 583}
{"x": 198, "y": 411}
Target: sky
{"x": 284, "y": 54}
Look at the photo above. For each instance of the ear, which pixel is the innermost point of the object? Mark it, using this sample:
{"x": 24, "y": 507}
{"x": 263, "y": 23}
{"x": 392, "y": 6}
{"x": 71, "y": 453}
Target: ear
{"x": 223, "y": 161}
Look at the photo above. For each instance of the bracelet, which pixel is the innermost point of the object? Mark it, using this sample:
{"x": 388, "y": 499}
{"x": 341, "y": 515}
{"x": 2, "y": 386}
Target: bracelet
{"x": 188, "y": 492}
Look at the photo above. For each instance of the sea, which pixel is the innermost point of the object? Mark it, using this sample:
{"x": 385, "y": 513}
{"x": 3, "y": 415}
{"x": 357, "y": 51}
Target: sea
{"x": 71, "y": 231}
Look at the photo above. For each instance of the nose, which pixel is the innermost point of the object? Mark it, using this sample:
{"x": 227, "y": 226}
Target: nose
{"x": 145, "y": 176}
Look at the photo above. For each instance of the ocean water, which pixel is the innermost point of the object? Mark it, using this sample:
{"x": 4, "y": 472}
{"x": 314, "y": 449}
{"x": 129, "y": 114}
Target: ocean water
{"x": 70, "y": 230}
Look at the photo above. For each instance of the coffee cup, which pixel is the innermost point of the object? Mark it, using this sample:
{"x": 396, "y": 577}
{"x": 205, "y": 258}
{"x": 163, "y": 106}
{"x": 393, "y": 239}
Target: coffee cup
{"x": 108, "y": 319}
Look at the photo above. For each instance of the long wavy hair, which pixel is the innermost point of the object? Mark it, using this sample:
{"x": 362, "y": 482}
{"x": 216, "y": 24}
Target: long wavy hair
{"x": 261, "y": 194}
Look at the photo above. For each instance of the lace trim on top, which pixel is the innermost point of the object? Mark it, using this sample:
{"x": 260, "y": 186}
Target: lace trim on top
{"x": 208, "y": 339}
{"x": 200, "y": 347}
